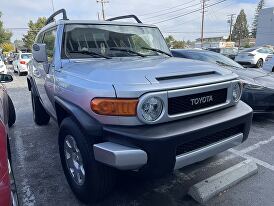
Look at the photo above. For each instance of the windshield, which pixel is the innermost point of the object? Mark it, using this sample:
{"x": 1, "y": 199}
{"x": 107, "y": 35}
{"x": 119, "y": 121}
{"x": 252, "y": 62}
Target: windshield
{"x": 212, "y": 57}
{"x": 25, "y": 56}
{"x": 112, "y": 41}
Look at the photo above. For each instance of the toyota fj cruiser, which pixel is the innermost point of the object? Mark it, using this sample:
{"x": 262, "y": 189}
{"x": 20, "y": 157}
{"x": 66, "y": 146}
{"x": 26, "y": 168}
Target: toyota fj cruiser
{"x": 122, "y": 102}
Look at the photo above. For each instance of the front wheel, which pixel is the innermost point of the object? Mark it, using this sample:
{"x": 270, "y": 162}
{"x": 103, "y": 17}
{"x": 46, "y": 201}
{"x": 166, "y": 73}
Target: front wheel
{"x": 88, "y": 179}
{"x": 260, "y": 63}
{"x": 40, "y": 116}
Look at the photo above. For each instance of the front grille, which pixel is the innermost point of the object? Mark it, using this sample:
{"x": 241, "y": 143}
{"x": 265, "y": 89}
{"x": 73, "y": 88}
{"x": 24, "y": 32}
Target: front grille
{"x": 182, "y": 104}
{"x": 207, "y": 140}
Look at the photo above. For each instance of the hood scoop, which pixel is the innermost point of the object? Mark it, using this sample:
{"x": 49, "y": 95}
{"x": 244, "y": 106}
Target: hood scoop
{"x": 182, "y": 76}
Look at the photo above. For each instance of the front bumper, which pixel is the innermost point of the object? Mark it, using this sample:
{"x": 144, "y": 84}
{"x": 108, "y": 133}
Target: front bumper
{"x": 23, "y": 68}
{"x": 261, "y": 100}
{"x": 159, "y": 149}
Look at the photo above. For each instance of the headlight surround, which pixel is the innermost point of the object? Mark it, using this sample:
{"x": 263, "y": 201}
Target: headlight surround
{"x": 151, "y": 108}
{"x": 237, "y": 92}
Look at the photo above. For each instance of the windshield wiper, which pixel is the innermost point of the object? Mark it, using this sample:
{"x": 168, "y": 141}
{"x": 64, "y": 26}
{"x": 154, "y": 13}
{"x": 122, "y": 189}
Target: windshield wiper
{"x": 127, "y": 50}
{"x": 157, "y": 50}
{"x": 90, "y": 53}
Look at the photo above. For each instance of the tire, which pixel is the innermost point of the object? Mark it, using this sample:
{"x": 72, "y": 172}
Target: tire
{"x": 40, "y": 116}
{"x": 260, "y": 63}
{"x": 99, "y": 179}
{"x": 12, "y": 114}
{"x": 273, "y": 69}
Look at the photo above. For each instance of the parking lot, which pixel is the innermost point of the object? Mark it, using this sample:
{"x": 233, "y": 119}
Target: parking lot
{"x": 40, "y": 179}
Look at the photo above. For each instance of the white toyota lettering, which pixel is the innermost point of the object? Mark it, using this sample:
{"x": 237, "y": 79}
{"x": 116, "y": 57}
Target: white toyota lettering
{"x": 202, "y": 100}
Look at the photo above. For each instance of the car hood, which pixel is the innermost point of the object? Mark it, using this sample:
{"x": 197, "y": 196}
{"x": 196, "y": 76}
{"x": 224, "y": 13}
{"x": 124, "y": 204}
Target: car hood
{"x": 250, "y": 73}
{"x": 260, "y": 76}
{"x": 149, "y": 70}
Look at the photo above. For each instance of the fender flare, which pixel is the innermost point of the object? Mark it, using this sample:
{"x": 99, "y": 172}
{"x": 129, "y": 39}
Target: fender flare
{"x": 89, "y": 125}
{"x": 31, "y": 84}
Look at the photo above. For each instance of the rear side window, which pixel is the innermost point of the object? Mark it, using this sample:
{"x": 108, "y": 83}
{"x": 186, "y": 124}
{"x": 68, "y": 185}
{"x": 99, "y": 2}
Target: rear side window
{"x": 49, "y": 40}
{"x": 264, "y": 51}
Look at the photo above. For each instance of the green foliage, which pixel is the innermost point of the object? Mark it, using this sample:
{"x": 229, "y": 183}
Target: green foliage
{"x": 4, "y": 34}
{"x": 260, "y": 6}
{"x": 240, "y": 29}
{"x": 7, "y": 47}
{"x": 34, "y": 28}
{"x": 175, "y": 44}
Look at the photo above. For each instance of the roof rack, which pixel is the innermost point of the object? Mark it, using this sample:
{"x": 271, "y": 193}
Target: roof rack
{"x": 51, "y": 18}
{"x": 125, "y": 17}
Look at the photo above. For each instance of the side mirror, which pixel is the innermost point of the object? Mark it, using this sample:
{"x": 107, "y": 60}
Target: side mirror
{"x": 5, "y": 78}
{"x": 39, "y": 53}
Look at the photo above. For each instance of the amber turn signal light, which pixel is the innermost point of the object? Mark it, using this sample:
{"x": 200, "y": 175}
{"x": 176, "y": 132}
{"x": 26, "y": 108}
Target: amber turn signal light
{"x": 114, "y": 107}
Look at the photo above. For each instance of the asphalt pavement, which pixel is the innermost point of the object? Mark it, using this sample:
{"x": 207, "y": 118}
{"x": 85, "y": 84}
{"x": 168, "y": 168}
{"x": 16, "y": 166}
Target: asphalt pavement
{"x": 40, "y": 179}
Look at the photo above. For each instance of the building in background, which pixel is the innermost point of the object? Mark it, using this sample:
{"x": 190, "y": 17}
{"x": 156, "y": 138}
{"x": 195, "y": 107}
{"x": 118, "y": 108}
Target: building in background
{"x": 248, "y": 42}
{"x": 265, "y": 28}
{"x": 215, "y": 42}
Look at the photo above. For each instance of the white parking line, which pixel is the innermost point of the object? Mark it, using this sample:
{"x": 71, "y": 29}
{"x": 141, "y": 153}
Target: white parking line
{"x": 248, "y": 157}
{"x": 257, "y": 145}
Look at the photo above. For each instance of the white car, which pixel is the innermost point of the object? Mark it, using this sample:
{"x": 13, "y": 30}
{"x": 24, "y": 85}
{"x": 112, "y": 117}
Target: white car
{"x": 20, "y": 63}
{"x": 3, "y": 68}
{"x": 269, "y": 64}
{"x": 253, "y": 56}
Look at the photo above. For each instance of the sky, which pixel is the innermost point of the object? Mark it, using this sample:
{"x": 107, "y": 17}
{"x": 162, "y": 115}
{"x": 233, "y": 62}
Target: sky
{"x": 17, "y": 14}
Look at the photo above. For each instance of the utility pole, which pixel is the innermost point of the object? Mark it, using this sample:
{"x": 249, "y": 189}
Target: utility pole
{"x": 52, "y": 5}
{"x": 203, "y": 19}
{"x": 103, "y": 2}
{"x": 230, "y": 21}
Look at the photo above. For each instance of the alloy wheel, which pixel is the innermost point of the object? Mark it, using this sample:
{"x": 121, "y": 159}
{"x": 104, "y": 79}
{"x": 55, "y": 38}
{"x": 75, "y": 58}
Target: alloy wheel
{"x": 74, "y": 160}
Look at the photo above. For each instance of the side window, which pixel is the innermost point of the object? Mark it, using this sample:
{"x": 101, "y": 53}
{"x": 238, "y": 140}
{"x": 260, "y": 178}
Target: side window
{"x": 49, "y": 40}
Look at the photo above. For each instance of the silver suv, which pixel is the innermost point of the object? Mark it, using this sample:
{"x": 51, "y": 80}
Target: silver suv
{"x": 122, "y": 102}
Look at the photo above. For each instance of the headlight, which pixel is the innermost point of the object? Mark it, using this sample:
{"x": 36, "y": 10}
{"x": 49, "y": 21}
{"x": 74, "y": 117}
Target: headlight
{"x": 151, "y": 109}
{"x": 237, "y": 92}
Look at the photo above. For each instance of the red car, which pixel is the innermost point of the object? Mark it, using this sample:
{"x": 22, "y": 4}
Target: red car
{"x": 8, "y": 194}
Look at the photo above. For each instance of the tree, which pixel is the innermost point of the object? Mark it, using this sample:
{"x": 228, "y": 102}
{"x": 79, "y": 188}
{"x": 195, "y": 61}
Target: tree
{"x": 4, "y": 34}
{"x": 34, "y": 28}
{"x": 260, "y": 6}
{"x": 179, "y": 44}
{"x": 7, "y": 47}
{"x": 175, "y": 44}
{"x": 240, "y": 29}
{"x": 169, "y": 40}
{"x": 19, "y": 44}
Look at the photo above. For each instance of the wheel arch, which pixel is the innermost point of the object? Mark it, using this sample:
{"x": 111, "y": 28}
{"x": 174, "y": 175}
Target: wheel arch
{"x": 88, "y": 124}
